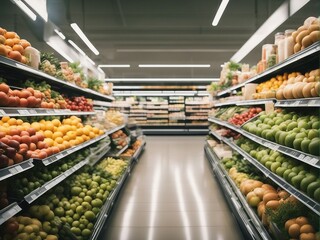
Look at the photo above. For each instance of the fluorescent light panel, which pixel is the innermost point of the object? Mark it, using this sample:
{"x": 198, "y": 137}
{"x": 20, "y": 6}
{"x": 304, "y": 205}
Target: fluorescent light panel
{"x": 176, "y": 50}
{"x": 174, "y": 65}
{"x": 25, "y": 8}
{"x": 220, "y": 11}
{"x": 114, "y": 65}
{"x": 84, "y": 38}
{"x": 76, "y": 47}
{"x": 271, "y": 24}
{"x": 39, "y": 6}
{"x": 90, "y": 60}
{"x": 100, "y": 70}
{"x": 60, "y": 34}
{"x": 60, "y": 51}
{"x": 162, "y": 79}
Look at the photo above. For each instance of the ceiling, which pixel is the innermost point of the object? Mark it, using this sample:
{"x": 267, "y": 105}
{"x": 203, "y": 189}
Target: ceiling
{"x": 156, "y": 32}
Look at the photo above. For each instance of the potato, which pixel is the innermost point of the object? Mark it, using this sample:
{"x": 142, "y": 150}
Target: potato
{"x": 297, "y": 47}
{"x": 301, "y": 35}
{"x": 307, "y": 41}
{"x": 315, "y": 36}
{"x": 309, "y": 21}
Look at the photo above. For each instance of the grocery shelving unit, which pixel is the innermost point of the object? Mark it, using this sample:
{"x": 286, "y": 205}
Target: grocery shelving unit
{"x": 249, "y": 222}
{"x": 172, "y": 115}
{"x": 308, "y": 57}
{"x": 304, "y": 60}
{"x": 21, "y": 71}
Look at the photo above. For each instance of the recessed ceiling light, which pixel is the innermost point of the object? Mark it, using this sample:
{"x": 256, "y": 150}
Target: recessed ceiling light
{"x": 174, "y": 65}
{"x": 114, "y": 65}
{"x": 84, "y": 38}
{"x": 220, "y": 11}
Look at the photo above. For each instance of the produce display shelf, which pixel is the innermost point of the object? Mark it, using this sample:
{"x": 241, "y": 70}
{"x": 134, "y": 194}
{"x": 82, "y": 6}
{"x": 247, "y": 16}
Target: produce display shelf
{"x": 19, "y": 68}
{"x": 52, "y": 183}
{"x": 101, "y": 103}
{"x": 243, "y": 219}
{"x": 299, "y": 57}
{"x": 216, "y": 135}
{"x": 253, "y": 218}
{"x": 9, "y": 211}
{"x": 156, "y": 117}
{"x": 155, "y": 107}
{"x": 176, "y": 118}
{"x": 175, "y": 110}
{"x": 103, "y": 215}
{"x": 154, "y": 103}
{"x": 97, "y": 156}
{"x": 31, "y": 112}
{"x": 139, "y": 151}
{"x": 121, "y": 150}
{"x": 15, "y": 169}
{"x": 303, "y": 102}
{"x": 56, "y": 157}
{"x": 301, "y": 156}
{"x": 245, "y": 102}
{"x": 305, "y": 199}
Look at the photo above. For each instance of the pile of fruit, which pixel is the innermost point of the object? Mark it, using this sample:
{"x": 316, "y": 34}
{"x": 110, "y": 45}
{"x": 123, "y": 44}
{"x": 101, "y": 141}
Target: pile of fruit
{"x": 37, "y": 176}
{"x": 22, "y": 140}
{"x": 226, "y": 113}
{"x": 132, "y": 149}
{"x": 115, "y": 117}
{"x": 71, "y": 209}
{"x": 274, "y": 206}
{"x": 28, "y": 97}
{"x": 223, "y": 131}
{"x": 296, "y": 173}
{"x": 120, "y": 139}
{"x": 12, "y": 46}
{"x": 239, "y": 119}
{"x": 290, "y": 129}
{"x": 290, "y": 86}
{"x": 300, "y": 228}
{"x": 52, "y": 99}
{"x": 306, "y": 34}
{"x": 79, "y": 104}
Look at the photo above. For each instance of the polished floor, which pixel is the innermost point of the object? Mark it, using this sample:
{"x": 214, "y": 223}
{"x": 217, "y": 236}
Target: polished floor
{"x": 171, "y": 195}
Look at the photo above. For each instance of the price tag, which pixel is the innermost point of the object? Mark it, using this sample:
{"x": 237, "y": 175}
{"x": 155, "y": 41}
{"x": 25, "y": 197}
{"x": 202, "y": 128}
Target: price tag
{"x": 32, "y": 111}
{"x": 314, "y": 161}
{"x": 312, "y": 103}
{"x": 2, "y": 113}
{"x": 13, "y": 171}
{"x": 23, "y": 112}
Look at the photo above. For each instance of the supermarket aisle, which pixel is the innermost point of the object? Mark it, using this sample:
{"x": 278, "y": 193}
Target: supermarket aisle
{"x": 172, "y": 195}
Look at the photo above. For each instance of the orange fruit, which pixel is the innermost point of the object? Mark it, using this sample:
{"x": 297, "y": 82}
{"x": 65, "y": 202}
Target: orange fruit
{"x": 59, "y": 140}
{"x": 9, "y": 42}
{"x": 36, "y": 126}
{"x": 49, "y": 142}
{"x": 56, "y": 122}
{"x": 79, "y": 132}
{"x": 56, "y": 135}
{"x": 92, "y": 135}
{"x": 66, "y": 138}
{"x": 49, "y": 126}
{"x": 5, "y": 119}
{"x": 48, "y": 134}
{"x": 66, "y": 121}
{"x": 19, "y": 122}
{"x": 12, "y": 122}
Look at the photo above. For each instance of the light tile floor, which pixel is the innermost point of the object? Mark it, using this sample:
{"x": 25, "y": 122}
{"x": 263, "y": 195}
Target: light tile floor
{"x": 171, "y": 194}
